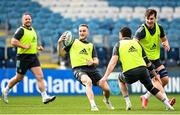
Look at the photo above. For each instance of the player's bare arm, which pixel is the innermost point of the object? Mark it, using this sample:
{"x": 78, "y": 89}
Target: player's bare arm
{"x": 60, "y": 49}
{"x": 94, "y": 62}
{"x": 110, "y": 68}
{"x": 17, "y": 43}
{"x": 165, "y": 43}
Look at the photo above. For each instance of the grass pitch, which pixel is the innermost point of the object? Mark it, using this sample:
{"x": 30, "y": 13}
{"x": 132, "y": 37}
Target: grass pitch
{"x": 80, "y": 105}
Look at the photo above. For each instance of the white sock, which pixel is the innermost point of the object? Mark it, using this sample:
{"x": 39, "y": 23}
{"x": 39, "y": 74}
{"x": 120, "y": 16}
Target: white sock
{"x": 165, "y": 96}
{"x": 107, "y": 99}
{"x": 147, "y": 95}
{"x": 44, "y": 94}
{"x": 166, "y": 102}
{"x": 6, "y": 89}
{"x": 127, "y": 99}
{"x": 92, "y": 102}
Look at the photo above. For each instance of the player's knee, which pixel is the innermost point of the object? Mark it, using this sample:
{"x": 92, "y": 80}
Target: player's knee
{"x": 163, "y": 72}
{"x": 19, "y": 78}
{"x": 39, "y": 78}
{"x": 88, "y": 82}
{"x": 165, "y": 81}
{"x": 121, "y": 78}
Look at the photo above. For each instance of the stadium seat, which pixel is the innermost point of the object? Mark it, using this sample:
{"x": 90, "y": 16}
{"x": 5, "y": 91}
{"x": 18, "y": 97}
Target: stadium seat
{"x": 2, "y": 42}
{"x": 163, "y": 55}
{"x": 98, "y": 40}
{"x": 173, "y": 55}
{"x": 107, "y": 23}
{"x": 126, "y": 13}
{"x": 113, "y": 39}
{"x": 139, "y": 12}
{"x": 166, "y": 12}
{"x": 2, "y": 53}
{"x": 164, "y": 23}
{"x": 134, "y": 24}
{"x": 11, "y": 52}
{"x": 10, "y": 63}
{"x": 2, "y": 63}
{"x": 102, "y": 55}
{"x": 156, "y": 8}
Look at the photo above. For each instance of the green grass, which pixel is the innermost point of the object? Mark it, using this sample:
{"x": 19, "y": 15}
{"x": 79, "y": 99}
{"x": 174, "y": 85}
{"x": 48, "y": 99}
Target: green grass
{"x": 80, "y": 105}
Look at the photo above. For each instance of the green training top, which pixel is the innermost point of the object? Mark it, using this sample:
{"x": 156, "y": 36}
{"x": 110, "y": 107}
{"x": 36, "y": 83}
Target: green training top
{"x": 151, "y": 43}
{"x": 80, "y": 53}
{"x": 29, "y": 37}
{"x": 130, "y": 55}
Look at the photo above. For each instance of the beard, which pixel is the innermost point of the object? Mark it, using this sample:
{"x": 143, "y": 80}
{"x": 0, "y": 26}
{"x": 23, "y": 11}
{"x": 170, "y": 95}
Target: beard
{"x": 28, "y": 25}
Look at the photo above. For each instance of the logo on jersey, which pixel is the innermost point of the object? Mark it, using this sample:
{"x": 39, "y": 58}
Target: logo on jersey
{"x": 153, "y": 47}
{"x": 132, "y": 49}
{"x": 34, "y": 39}
{"x": 83, "y": 52}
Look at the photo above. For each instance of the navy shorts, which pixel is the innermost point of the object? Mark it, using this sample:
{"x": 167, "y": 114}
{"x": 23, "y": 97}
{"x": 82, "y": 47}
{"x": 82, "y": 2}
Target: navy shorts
{"x": 140, "y": 73}
{"x": 158, "y": 63}
{"x": 86, "y": 70}
{"x": 23, "y": 64}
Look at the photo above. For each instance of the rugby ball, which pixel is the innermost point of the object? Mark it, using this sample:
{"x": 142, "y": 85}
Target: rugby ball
{"x": 69, "y": 38}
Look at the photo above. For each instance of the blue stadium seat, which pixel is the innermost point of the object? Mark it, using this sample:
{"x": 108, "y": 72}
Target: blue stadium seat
{"x": 11, "y": 52}
{"x": 107, "y": 23}
{"x": 163, "y": 55}
{"x": 2, "y": 42}
{"x": 2, "y": 63}
{"x": 14, "y": 24}
{"x": 2, "y": 53}
{"x": 174, "y": 55}
{"x": 113, "y": 39}
{"x": 102, "y": 55}
{"x": 10, "y": 63}
{"x": 164, "y": 22}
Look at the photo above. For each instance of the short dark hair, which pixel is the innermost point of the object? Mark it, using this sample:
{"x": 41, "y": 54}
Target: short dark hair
{"x": 150, "y": 12}
{"x": 126, "y": 32}
{"x": 85, "y": 25}
{"x": 26, "y": 13}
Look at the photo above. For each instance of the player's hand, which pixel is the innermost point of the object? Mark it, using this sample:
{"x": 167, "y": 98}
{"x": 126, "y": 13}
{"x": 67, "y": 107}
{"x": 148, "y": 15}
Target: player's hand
{"x": 89, "y": 62}
{"x": 166, "y": 45}
{"x": 62, "y": 38}
{"x": 27, "y": 46}
{"x": 40, "y": 48}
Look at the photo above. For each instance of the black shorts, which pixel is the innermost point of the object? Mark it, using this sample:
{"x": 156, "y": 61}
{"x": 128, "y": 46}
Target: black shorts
{"x": 140, "y": 73}
{"x": 92, "y": 72}
{"x": 156, "y": 63}
{"x": 25, "y": 62}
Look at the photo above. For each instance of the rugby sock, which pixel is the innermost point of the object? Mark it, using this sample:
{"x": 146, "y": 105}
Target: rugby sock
{"x": 127, "y": 99}
{"x": 44, "y": 94}
{"x": 92, "y": 102}
{"x": 147, "y": 95}
{"x": 165, "y": 96}
{"x": 107, "y": 99}
{"x": 166, "y": 102}
{"x": 6, "y": 89}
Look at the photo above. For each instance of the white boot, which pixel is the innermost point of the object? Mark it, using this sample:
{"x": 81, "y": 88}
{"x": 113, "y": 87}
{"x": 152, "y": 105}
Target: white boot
{"x": 5, "y": 96}
{"x": 48, "y": 99}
